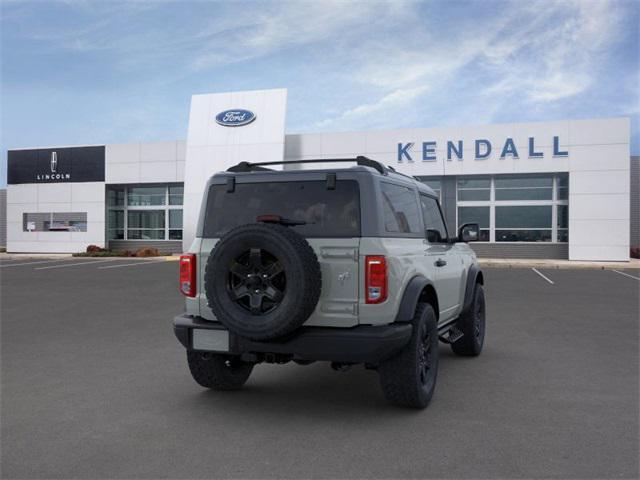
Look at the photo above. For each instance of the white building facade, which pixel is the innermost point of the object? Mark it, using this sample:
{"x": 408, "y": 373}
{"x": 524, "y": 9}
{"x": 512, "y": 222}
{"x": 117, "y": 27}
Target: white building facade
{"x": 538, "y": 190}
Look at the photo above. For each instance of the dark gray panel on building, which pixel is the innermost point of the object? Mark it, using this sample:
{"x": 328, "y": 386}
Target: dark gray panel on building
{"x": 635, "y": 201}
{"x": 3, "y": 218}
{"x": 449, "y": 203}
{"x": 559, "y": 251}
{"x": 165, "y": 247}
{"x": 56, "y": 165}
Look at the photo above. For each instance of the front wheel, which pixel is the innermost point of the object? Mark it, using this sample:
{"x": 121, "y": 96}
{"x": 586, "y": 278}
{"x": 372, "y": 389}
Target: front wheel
{"x": 409, "y": 378}
{"x": 219, "y": 372}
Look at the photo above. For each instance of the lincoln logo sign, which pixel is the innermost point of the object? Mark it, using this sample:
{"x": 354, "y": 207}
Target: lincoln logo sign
{"x": 54, "y": 175}
{"x": 482, "y": 149}
{"x": 235, "y": 118}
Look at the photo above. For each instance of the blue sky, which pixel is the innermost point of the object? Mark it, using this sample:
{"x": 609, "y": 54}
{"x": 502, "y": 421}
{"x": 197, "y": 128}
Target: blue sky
{"x": 94, "y": 72}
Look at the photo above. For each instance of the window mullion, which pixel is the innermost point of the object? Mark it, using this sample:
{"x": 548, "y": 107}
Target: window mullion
{"x": 126, "y": 214}
{"x": 492, "y": 210}
{"x": 554, "y": 212}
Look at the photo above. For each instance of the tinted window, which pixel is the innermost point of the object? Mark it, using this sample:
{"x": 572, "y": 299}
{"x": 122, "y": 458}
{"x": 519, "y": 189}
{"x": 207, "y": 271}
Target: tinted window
{"x": 563, "y": 187}
{"x": 524, "y": 217}
{"x": 474, "y": 189}
{"x": 524, "y": 188}
{"x": 436, "y": 229}
{"x": 145, "y": 196}
{"x": 54, "y": 222}
{"x": 327, "y": 213}
{"x": 523, "y": 223}
{"x": 400, "y": 209}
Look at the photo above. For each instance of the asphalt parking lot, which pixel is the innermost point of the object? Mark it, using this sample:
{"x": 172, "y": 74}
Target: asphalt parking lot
{"x": 94, "y": 385}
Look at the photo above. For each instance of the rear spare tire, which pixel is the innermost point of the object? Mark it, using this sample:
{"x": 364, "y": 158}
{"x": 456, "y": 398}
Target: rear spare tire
{"x": 262, "y": 281}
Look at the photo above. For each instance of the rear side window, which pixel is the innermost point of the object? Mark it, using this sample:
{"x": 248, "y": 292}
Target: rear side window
{"x": 400, "y": 209}
{"x": 436, "y": 228}
{"x": 327, "y": 213}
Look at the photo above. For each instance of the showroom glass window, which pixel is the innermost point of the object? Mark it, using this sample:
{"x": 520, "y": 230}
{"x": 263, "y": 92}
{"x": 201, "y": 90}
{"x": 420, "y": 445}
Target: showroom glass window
{"x": 54, "y": 222}
{"x": 144, "y": 212}
{"x": 516, "y": 208}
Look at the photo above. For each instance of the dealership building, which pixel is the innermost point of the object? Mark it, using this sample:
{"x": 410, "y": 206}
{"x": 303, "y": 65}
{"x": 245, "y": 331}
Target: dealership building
{"x": 562, "y": 189}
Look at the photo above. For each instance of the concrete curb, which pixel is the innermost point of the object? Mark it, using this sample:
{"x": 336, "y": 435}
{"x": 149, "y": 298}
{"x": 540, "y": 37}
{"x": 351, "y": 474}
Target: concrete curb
{"x": 62, "y": 256}
{"x": 485, "y": 262}
{"x": 558, "y": 264}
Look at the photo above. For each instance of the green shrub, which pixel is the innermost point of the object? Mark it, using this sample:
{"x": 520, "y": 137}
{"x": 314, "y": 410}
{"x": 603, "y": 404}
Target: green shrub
{"x": 102, "y": 252}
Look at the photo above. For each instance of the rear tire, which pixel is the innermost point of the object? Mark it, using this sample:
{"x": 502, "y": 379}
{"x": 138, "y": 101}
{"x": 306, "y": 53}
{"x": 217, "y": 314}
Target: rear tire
{"x": 472, "y": 325}
{"x": 409, "y": 378}
{"x": 219, "y": 372}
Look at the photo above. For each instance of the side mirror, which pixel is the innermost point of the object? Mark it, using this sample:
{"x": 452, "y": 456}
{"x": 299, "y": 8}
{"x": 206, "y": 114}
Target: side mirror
{"x": 469, "y": 232}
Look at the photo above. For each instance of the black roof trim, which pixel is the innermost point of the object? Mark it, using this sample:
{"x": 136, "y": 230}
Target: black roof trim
{"x": 260, "y": 166}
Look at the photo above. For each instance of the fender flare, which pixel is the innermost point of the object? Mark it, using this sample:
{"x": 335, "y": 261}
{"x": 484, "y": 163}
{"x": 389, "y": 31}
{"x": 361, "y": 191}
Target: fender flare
{"x": 410, "y": 298}
{"x": 472, "y": 279}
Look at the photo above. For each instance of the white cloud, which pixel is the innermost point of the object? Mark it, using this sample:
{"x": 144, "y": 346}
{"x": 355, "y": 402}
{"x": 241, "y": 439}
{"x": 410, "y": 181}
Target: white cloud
{"x": 391, "y": 101}
{"x": 363, "y": 59}
{"x": 286, "y": 25}
{"x": 538, "y": 52}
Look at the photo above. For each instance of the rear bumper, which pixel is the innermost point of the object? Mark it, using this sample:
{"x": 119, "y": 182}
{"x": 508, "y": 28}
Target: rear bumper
{"x": 361, "y": 344}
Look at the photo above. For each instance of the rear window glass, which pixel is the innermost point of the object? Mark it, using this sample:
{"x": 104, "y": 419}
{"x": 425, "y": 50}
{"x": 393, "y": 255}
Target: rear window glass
{"x": 327, "y": 213}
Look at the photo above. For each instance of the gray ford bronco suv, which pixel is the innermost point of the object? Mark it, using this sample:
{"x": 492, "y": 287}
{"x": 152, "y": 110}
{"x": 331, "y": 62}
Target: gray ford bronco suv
{"x": 347, "y": 265}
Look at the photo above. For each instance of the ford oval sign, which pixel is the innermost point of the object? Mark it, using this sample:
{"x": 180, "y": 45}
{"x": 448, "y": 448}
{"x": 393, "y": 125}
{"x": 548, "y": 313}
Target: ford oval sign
{"x": 235, "y": 118}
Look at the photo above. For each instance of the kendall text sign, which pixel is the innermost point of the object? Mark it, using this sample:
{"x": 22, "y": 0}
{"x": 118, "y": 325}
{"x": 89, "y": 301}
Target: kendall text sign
{"x": 482, "y": 149}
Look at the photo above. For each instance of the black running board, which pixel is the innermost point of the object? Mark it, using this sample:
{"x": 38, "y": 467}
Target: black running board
{"x": 448, "y": 332}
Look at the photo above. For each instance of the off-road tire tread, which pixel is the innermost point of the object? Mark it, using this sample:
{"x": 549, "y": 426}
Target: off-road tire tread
{"x": 398, "y": 374}
{"x": 467, "y": 346}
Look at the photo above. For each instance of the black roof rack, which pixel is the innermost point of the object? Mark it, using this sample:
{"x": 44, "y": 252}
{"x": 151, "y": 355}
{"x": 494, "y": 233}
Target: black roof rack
{"x": 412, "y": 177}
{"x": 260, "y": 166}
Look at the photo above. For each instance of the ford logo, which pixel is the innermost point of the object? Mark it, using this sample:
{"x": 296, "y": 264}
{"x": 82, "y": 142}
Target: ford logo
{"x": 235, "y": 118}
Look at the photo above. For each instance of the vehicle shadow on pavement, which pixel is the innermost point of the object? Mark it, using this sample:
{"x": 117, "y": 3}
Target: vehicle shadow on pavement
{"x": 314, "y": 389}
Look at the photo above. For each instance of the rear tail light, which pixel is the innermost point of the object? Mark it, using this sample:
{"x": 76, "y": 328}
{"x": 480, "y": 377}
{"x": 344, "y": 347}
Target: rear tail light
{"x": 375, "y": 279}
{"x": 188, "y": 274}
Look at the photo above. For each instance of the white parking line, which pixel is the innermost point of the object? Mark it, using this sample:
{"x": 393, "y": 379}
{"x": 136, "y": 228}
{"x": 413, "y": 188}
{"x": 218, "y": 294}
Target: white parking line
{"x": 546, "y": 278}
{"x": 31, "y": 263}
{"x": 626, "y": 274}
{"x": 141, "y": 262}
{"x": 73, "y": 264}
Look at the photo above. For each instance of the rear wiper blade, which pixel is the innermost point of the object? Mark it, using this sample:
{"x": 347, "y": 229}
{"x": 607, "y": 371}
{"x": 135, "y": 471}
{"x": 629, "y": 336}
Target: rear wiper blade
{"x": 287, "y": 222}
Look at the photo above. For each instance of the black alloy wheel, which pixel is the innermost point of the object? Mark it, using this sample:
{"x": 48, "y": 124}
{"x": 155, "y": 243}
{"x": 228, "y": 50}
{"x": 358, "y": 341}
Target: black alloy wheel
{"x": 479, "y": 320}
{"x": 424, "y": 357}
{"x": 262, "y": 281}
{"x": 257, "y": 281}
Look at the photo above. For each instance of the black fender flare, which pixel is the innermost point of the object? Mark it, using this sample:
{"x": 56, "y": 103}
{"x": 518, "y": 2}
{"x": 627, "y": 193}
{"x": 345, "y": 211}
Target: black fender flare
{"x": 474, "y": 276}
{"x": 410, "y": 298}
